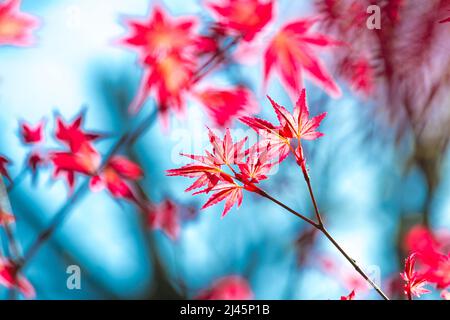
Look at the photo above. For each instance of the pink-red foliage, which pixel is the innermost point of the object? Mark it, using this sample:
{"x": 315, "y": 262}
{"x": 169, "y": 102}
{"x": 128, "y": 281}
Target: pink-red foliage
{"x": 16, "y": 27}
{"x": 293, "y": 50}
{"x": 10, "y": 279}
{"x": 228, "y": 288}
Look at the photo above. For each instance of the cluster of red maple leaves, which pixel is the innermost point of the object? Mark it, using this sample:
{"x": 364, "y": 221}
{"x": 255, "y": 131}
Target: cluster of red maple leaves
{"x": 175, "y": 55}
{"x": 246, "y": 168}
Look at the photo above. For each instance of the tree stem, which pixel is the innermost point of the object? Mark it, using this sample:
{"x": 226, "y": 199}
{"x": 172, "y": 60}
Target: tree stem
{"x": 353, "y": 263}
{"x": 322, "y": 229}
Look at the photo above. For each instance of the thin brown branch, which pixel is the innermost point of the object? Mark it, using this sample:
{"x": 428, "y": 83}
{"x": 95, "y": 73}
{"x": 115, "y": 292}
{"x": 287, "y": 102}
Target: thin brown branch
{"x": 324, "y": 231}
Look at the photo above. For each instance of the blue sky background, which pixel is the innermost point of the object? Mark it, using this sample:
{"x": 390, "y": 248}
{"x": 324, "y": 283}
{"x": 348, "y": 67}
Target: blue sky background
{"x": 76, "y": 63}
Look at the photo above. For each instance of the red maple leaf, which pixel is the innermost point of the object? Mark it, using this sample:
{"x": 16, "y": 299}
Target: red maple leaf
{"x": 256, "y": 167}
{"x": 171, "y": 78}
{"x": 115, "y": 177}
{"x": 208, "y": 171}
{"x": 168, "y": 48}
{"x": 350, "y": 296}
{"x": 166, "y": 217}
{"x": 10, "y": 279}
{"x": 81, "y": 157}
{"x": 225, "y": 152}
{"x": 228, "y": 288}
{"x": 4, "y": 162}
{"x": 291, "y": 51}
{"x": 271, "y": 137}
{"x": 297, "y": 125}
{"x": 207, "y": 175}
{"x": 161, "y": 35}
{"x": 429, "y": 249}
{"x": 15, "y": 26}
{"x": 86, "y": 161}
{"x": 244, "y": 17}
{"x": 32, "y": 135}
{"x": 415, "y": 282}
{"x": 228, "y": 169}
{"x": 223, "y": 105}
{"x": 231, "y": 192}
{"x": 72, "y": 135}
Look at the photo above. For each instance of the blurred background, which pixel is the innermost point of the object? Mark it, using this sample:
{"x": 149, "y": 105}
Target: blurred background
{"x": 381, "y": 168}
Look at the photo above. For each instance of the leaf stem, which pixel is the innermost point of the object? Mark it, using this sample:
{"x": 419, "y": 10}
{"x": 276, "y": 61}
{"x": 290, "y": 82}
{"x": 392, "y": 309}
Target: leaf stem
{"x": 308, "y": 183}
{"x": 320, "y": 226}
{"x": 353, "y": 263}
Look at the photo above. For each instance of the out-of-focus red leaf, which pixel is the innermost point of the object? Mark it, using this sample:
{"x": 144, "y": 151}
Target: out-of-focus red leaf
{"x": 291, "y": 52}
{"x": 244, "y": 17}
{"x": 228, "y": 288}
{"x": 224, "y": 105}
{"x": 9, "y": 279}
{"x": 16, "y": 26}
{"x": 166, "y": 217}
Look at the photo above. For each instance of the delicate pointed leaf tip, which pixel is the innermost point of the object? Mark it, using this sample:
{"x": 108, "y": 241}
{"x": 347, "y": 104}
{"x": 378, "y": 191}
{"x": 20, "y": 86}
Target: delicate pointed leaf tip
{"x": 350, "y": 296}
{"x": 291, "y": 52}
{"x": 414, "y": 281}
